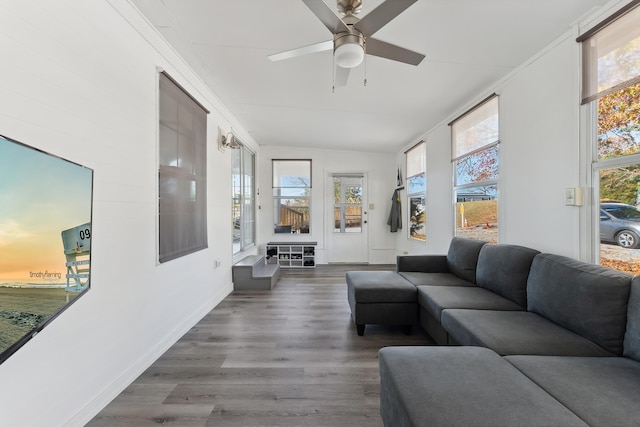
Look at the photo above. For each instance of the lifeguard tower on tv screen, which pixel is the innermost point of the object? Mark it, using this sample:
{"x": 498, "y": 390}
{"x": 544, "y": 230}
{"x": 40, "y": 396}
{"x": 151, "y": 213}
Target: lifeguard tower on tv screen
{"x": 77, "y": 250}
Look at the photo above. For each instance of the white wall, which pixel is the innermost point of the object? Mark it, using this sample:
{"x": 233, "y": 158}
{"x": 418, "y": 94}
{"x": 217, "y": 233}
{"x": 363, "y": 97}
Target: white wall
{"x": 79, "y": 81}
{"x": 539, "y": 158}
{"x": 380, "y": 169}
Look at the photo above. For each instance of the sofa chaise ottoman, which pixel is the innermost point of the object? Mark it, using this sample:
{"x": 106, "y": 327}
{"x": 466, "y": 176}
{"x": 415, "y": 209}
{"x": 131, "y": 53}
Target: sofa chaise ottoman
{"x": 381, "y": 297}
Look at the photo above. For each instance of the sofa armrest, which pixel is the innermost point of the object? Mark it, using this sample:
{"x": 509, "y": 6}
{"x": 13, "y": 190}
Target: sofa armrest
{"x": 422, "y": 263}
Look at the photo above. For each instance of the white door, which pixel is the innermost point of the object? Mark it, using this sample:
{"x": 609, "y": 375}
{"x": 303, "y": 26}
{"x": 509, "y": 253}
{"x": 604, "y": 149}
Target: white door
{"x": 347, "y": 240}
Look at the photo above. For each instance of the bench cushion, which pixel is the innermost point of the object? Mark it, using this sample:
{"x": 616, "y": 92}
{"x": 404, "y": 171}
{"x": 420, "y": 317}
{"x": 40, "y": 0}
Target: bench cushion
{"x": 587, "y": 299}
{"x": 379, "y": 286}
{"x": 516, "y": 332}
{"x": 463, "y": 386}
{"x": 504, "y": 269}
{"x": 434, "y": 299}
{"x": 603, "y": 391}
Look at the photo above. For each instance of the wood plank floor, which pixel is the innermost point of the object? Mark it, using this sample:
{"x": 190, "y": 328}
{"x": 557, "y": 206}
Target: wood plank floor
{"x": 285, "y": 357}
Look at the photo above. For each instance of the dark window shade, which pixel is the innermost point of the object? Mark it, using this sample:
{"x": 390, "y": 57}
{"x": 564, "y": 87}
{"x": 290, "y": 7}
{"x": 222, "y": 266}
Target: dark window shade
{"x": 182, "y": 176}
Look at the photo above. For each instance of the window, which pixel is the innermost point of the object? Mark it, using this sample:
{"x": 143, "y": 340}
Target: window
{"x": 611, "y": 93}
{"x": 475, "y": 142}
{"x": 182, "y": 172}
{"x": 347, "y": 203}
{"x": 243, "y": 203}
{"x": 417, "y": 191}
{"x": 291, "y": 195}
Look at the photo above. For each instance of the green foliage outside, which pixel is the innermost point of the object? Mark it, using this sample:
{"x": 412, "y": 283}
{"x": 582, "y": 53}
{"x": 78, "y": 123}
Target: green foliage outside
{"x": 619, "y": 135}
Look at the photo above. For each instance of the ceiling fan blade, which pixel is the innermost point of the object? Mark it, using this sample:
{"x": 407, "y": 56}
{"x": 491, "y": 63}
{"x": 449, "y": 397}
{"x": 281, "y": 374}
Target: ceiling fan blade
{"x": 328, "y": 16}
{"x": 312, "y": 48}
{"x": 395, "y": 53}
{"x": 381, "y": 15}
{"x": 342, "y": 76}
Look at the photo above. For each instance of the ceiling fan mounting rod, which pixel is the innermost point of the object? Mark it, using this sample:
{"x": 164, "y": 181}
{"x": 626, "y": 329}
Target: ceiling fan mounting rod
{"x": 349, "y": 7}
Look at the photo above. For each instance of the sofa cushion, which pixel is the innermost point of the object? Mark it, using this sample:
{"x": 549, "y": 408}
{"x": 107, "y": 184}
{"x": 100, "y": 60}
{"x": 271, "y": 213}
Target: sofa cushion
{"x": 434, "y": 279}
{"x": 423, "y": 263}
{"x": 504, "y": 269}
{"x": 462, "y": 257}
{"x": 587, "y": 299}
{"x": 465, "y": 386}
{"x": 632, "y": 335}
{"x": 434, "y": 299}
{"x": 516, "y": 332}
{"x": 603, "y": 391}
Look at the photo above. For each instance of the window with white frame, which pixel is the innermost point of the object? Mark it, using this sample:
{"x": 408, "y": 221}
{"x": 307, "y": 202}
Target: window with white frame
{"x": 475, "y": 139}
{"x": 182, "y": 174}
{"x": 243, "y": 198}
{"x": 417, "y": 191}
{"x": 611, "y": 95}
{"x": 291, "y": 196}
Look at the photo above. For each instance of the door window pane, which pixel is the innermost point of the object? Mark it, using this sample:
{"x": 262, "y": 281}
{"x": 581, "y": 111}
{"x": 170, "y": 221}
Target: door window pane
{"x": 347, "y": 204}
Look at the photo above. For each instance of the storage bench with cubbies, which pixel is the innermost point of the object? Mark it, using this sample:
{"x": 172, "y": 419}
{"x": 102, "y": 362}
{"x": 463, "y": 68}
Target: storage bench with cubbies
{"x": 292, "y": 254}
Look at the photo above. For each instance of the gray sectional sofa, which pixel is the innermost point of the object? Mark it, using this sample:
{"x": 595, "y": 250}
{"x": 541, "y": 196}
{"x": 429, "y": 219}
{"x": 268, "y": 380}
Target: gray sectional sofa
{"x": 527, "y": 338}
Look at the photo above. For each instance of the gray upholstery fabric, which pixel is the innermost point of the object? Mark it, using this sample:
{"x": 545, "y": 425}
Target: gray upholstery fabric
{"x": 381, "y": 297}
{"x": 587, "y": 299}
{"x": 437, "y": 298}
{"x": 432, "y": 327}
{"x": 504, "y": 269}
{"x": 434, "y": 279}
{"x": 423, "y": 263}
{"x": 603, "y": 391}
{"x": 379, "y": 286}
{"x": 632, "y": 335}
{"x": 461, "y": 386}
{"x": 516, "y": 333}
{"x": 462, "y": 257}
{"x": 381, "y": 313}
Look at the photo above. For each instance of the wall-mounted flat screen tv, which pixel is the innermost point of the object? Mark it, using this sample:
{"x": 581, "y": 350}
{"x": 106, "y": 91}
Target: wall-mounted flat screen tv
{"x": 45, "y": 240}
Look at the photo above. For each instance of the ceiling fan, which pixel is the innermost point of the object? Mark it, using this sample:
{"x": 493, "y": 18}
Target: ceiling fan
{"x": 352, "y": 35}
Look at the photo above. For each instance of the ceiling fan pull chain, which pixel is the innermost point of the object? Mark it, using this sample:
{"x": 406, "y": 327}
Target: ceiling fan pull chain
{"x": 333, "y": 89}
{"x": 364, "y": 47}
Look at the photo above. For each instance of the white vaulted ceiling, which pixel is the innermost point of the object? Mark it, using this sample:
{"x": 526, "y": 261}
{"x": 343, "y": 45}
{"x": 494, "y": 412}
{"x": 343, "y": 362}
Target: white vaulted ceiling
{"x": 469, "y": 44}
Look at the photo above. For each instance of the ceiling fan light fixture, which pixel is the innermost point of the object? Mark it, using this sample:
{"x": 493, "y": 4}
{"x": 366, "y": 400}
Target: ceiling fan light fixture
{"x": 349, "y": 55}
{"x": 348, "y": 49}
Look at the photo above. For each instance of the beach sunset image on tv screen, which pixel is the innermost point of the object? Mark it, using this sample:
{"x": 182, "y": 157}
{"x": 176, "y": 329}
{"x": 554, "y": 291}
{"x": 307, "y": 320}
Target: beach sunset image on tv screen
{"x": 45, "y": 235}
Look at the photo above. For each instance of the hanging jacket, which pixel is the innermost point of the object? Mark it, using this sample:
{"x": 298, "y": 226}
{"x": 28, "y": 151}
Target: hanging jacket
{"x": 395, "y": 216}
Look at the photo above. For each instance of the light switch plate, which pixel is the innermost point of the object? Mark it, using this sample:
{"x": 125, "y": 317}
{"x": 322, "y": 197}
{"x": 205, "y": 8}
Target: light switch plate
{"x": 573, "y": 196}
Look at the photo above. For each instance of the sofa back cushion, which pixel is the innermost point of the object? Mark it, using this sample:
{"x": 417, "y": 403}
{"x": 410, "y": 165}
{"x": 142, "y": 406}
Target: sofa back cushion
{"x": 632, "y": 335}
{"x": 587, "y": 299}
{"x": 504, "y": 270}
{"x": 462, "y": 257}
